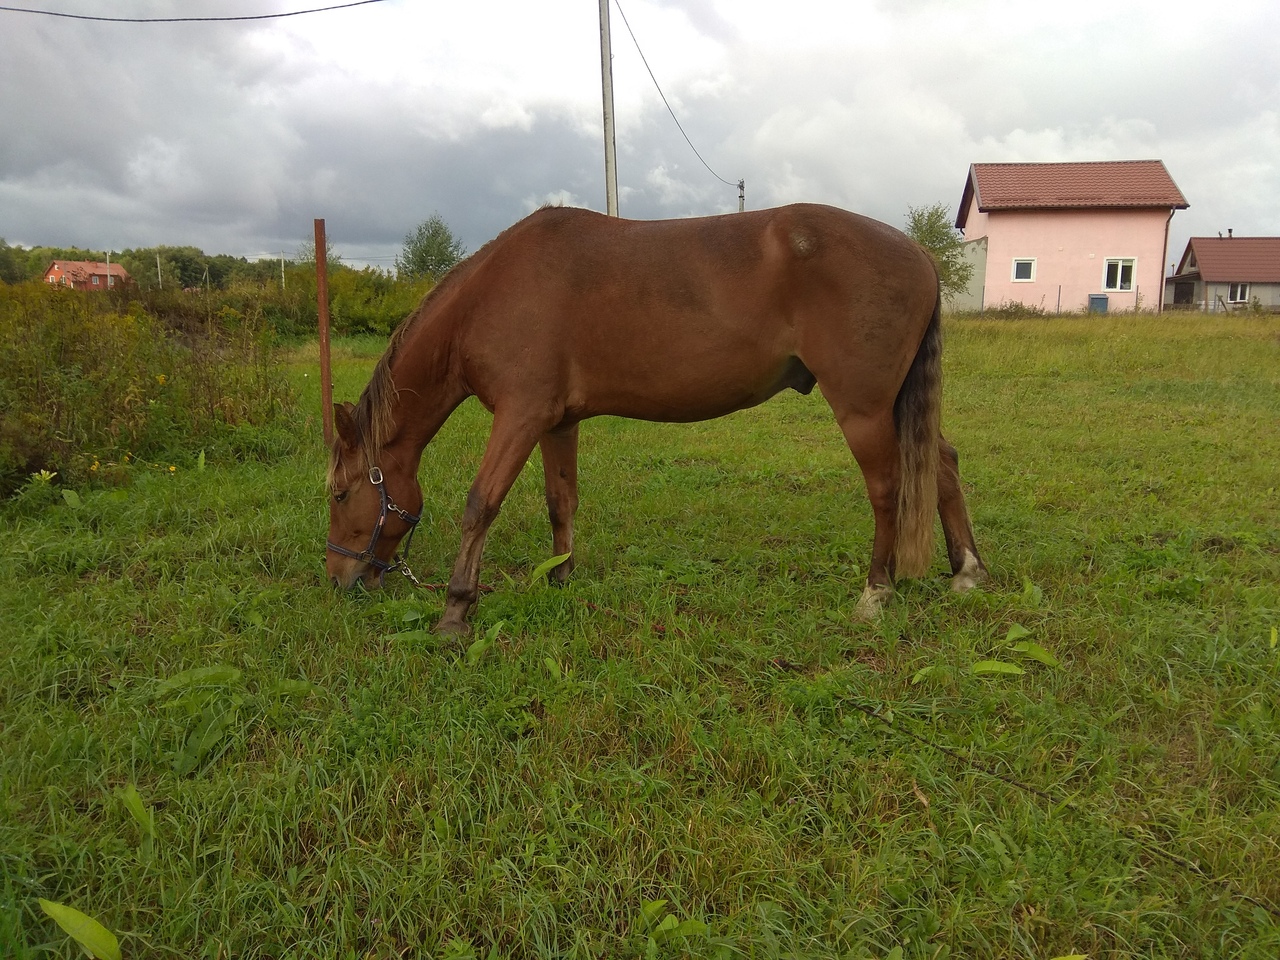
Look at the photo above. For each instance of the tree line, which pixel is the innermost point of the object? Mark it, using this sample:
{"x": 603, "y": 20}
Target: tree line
{"x": 281, "y": 291}
{"x": 428, "y": 251}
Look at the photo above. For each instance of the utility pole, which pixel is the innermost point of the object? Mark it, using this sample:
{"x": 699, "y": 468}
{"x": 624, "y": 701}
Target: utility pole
{"x": 610, "y": 148}
{"x": 159, "y": 275}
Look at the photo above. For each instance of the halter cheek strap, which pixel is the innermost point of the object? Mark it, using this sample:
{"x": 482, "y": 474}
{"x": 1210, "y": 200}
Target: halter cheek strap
{"x": 387, "y": 506}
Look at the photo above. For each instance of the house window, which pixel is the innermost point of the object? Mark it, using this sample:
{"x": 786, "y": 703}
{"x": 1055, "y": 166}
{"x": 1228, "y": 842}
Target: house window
{"x": 95, "y": 280}
{"x": 1238, "y": 293}
{"x": 1024, "y": 271}
{"x": 1119, "y": 275}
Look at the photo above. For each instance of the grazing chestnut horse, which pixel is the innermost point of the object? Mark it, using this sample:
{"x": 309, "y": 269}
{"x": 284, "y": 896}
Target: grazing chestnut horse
{"x": 570, "y": 314}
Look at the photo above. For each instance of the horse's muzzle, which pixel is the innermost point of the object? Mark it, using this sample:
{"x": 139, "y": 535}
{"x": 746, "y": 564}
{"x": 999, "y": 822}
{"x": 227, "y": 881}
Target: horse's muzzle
{"x": 345, "y": 574}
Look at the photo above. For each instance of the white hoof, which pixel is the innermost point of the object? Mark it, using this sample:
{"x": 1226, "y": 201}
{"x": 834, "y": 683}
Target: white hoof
{"x": 872, "y": 601}
{"x": 970, "y": 575}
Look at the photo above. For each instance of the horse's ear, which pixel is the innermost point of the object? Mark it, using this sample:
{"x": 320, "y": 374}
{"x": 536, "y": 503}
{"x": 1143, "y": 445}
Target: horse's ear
{"x": 345, "y": 425}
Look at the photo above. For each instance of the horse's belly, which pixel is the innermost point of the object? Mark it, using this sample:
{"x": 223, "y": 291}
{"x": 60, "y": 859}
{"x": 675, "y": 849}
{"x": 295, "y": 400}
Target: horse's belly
{"x": 683, "y": 392}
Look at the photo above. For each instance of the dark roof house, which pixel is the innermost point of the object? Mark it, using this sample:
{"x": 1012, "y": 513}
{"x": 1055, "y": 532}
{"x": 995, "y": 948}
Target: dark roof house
{"x": 1226, "y": 273}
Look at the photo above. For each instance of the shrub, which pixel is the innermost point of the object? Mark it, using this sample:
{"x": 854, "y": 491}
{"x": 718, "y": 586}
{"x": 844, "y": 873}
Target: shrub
{"x": 88, "y": 380}
{"x": 1006, "y": 310}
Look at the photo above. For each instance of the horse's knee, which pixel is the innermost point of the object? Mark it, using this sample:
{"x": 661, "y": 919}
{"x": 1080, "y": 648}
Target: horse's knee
{"x": 480, "y": 510}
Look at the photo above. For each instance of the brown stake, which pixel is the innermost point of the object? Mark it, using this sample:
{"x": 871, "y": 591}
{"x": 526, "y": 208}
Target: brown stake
{"x": 322, "y": 298}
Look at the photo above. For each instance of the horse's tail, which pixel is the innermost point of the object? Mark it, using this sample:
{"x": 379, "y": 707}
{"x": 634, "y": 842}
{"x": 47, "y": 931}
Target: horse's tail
{"x": 917, "y": 416}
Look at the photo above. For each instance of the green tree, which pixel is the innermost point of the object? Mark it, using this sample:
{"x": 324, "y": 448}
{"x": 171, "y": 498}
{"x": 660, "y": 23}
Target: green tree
{"x": 13, "y": 263}
{"x": 307, "y": 253}
{"x": 932, "y": 228}
{"x": 430, "y": 251}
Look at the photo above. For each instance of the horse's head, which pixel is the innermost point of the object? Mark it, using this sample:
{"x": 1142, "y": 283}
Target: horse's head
{"x": 372, "y": 505}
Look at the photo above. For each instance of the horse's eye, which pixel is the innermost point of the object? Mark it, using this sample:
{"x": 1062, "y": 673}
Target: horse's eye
{"x": 340, "y": 496}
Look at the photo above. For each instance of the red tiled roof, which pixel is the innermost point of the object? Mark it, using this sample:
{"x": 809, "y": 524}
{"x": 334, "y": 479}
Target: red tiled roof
{"x": 1233, "y": 259}
{"x": 83, "y": 270}
{"x": 1110, "y": 183}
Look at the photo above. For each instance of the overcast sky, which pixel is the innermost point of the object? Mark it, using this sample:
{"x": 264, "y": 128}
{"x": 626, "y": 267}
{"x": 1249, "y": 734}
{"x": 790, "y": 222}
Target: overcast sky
{"x": 233, "y": 136}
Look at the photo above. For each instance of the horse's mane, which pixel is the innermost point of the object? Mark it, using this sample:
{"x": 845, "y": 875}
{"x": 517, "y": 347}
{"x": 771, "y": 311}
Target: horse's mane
{"x": 374, "y": 413}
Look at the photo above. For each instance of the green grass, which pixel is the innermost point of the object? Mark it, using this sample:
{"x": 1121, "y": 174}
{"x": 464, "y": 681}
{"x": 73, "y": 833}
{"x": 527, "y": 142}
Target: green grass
{"x": 689, "y": 721}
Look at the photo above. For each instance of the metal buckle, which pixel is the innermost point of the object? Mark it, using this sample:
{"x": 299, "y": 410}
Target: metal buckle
{"x": 375, "y": 476}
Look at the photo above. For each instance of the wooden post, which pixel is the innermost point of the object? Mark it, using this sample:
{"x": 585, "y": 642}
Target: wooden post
{"x": 322, "y": 303}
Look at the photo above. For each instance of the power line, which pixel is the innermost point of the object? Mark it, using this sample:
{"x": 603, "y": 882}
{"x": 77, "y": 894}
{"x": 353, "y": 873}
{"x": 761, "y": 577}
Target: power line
{"x": 260, "y": 16}
{"x": 644, "y": 60}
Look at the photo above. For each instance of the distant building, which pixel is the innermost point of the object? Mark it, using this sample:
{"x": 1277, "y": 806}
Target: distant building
{"x": 86, "y": 274}
{"x": 1226, "y": 273}
{"x": 1067, "y": 236}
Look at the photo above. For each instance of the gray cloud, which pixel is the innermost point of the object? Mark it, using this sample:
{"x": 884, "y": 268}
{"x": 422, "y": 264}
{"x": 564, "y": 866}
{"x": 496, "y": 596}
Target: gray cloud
{"x": 233, "y": 137}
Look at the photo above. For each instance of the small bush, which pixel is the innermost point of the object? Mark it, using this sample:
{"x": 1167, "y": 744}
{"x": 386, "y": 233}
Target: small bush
{"x": 88, "y": 380}
{"x": 1007, "y": 310}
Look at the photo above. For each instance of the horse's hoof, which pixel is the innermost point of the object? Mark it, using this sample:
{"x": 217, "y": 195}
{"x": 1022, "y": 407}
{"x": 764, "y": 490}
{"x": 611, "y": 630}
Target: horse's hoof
{"x": 969, "y": 575}
{"x": 453, "y": 628}
{"x": 872, "y": 601}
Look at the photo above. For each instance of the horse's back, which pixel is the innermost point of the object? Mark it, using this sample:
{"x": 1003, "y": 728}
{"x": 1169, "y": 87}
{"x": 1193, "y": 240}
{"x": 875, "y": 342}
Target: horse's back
{"x": 687, "y": 319}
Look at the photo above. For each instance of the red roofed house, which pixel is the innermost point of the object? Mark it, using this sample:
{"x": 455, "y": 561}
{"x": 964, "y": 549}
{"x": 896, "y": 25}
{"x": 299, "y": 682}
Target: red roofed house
{"x": 1068, "y": 236}
{"x": 86, "y": 274}
{"x": 1227, "y": 273}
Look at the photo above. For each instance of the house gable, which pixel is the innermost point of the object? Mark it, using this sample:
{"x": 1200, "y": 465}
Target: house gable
{"x": 1068, "y": 186}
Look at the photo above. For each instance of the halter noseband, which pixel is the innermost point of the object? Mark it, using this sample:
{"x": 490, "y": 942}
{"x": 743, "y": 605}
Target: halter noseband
{"x": 388, "y": 506}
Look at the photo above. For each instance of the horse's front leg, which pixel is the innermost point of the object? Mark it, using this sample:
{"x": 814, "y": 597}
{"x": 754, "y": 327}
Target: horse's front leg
{"x": 560, "y": 470}
{"x": 510, "y": 444}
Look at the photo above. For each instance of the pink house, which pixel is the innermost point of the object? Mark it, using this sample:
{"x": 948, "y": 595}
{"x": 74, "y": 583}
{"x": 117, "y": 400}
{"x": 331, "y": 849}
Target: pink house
{"x": 1068, "y": 236}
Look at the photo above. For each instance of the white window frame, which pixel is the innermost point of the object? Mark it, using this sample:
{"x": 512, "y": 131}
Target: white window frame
{"x": 1120, "y": 261}
{"x": 1013, "y": 273}
{"x": 1238, "y": 293}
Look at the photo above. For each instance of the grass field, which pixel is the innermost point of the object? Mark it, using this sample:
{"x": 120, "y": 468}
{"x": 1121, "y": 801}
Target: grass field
{"x": 694, "y": 749}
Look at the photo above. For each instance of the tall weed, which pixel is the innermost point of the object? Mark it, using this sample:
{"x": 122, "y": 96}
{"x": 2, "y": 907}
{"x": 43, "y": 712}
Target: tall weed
{"x": 87, "y": 381}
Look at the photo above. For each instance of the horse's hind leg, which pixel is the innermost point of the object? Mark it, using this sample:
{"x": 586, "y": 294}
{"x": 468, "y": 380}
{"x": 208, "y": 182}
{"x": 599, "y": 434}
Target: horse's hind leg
{"x": 560, "y": 470}
{"x": 510, "y": 444}
{"x": 874, "y": 443}
{"x": 966, "y": 566}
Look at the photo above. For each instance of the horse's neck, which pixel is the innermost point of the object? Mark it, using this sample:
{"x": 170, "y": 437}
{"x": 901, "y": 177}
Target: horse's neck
{"x": 428, "y": 387}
